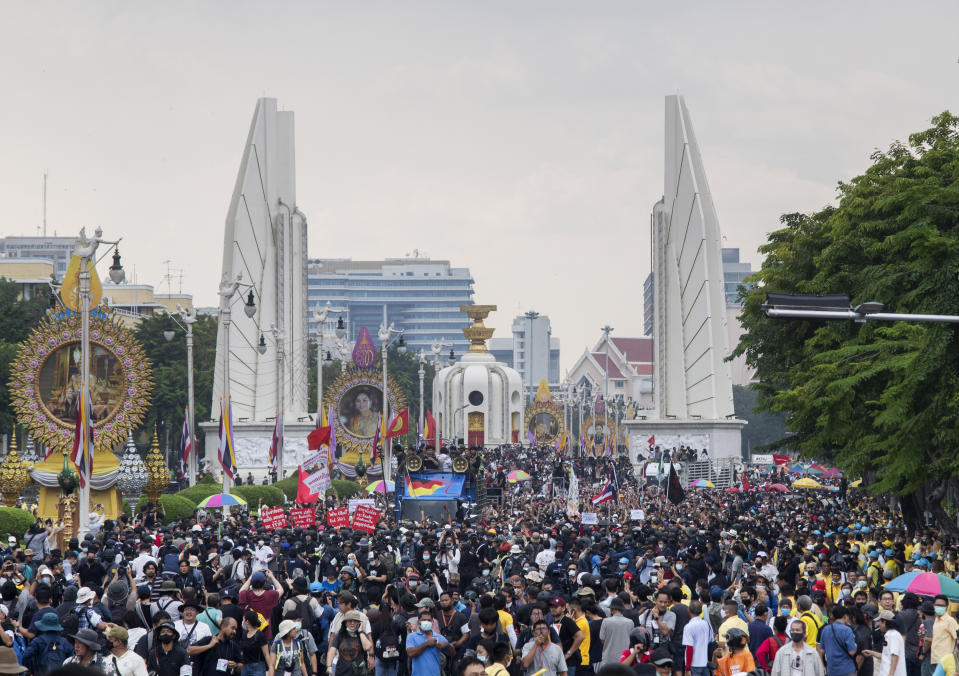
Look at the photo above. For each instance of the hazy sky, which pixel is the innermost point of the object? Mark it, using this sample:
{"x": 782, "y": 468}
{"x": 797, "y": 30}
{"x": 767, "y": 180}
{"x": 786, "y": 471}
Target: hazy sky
{"x": 524, "y": 140}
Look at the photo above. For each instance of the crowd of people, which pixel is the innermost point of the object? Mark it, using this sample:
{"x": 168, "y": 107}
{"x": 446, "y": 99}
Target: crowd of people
{"x": 712, "y": 584}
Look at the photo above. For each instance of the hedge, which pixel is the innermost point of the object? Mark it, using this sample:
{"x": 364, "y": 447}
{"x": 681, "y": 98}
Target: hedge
{"x": 341, "y": 487}
{"x": 15, "y": 521}
{"x": 271, "y": 495}
{"x": 207, "y": 479}
{"x": 175, "y": 506}
{"x": 196, "y": 494}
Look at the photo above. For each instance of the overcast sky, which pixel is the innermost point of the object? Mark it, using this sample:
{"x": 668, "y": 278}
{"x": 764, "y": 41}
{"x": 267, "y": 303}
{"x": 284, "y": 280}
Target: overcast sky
{"x": 523, "y": 140}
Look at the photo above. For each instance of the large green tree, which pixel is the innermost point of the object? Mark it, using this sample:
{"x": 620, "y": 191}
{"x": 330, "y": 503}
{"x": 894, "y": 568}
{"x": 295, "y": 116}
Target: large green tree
{"x": 18, "y": 317}
{"x": 878, "y": 399}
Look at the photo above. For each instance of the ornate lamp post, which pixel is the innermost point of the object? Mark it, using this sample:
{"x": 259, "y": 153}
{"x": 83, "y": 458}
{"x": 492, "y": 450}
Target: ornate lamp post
{"x": 384, "y": 335}
{"x": 421, "y": 357}
{"x": 14, "y": 477}
{"x": 188, "y": 317}
{"x": 319, "y": 316}
{"x": 133, "y": 474}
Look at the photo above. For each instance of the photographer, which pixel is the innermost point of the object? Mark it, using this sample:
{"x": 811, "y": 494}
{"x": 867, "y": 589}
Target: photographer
{"x": 449, "y": 554}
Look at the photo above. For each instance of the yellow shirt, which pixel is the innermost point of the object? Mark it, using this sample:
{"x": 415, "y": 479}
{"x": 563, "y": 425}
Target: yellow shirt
{"x": 583, "y": 625}
{"x": 812, "y": 627}
{"x": 505, "y": 619}
{"x": 944, "y": 631}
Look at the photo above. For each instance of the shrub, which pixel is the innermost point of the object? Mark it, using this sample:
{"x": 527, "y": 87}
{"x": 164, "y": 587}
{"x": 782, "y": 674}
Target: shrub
{"x": 15, "y": 521}
{"x": 175, "y": 506}
{"x": 271, "y": 495}
{"x": 207, "y": 479}
{"x": 196, "y": 494}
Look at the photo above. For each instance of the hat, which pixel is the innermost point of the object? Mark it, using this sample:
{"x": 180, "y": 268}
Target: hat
{"x": 353, "y": 615}
{"x": 515, "y": 549}
{"x": 86, "y": 594}
{"x": 661, "y": 658}
{"x": 257, "y": 577}
{"x": 285, "y": 627}
{"x": 349, "y": 570}
{"x": 168, "y": 625}
{"x": 191, "y": 603}
{"x": 117, "y": 592}
{"x": 4, "y": 610}
{"x": 585, "y": 591}
{"x": 88, "y": 637}
{"x": 886, "y": 615}
{"x": 196, "y": 528}
{"x": 928, "y": 608}
{"x": 118, "y": 632}
{"x": 194, "y": 560}
{"x": 874, "y": 554}
{"x": 534, "y": 576}
{"x": 211, "y": 556}
{"x": 426, "y": 603}
{"x": 49, "y": 622}
{"x": 8, "y": 662}
{"x": 316, "y": 587}
{"x": 170, "y": 586}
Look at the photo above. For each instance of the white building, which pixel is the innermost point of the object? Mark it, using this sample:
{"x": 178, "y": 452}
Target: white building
{"x": 630, "y": 372}
{"x": 533, "y": 351}
{"x": 58, "y": 250}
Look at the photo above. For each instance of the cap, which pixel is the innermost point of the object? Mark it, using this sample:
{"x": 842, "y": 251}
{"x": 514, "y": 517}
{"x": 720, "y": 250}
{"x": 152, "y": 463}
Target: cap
{"x": 886, "y": 615}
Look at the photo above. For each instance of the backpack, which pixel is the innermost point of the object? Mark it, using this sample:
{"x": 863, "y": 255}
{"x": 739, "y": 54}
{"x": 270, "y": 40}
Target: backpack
{"x": 819, "y": 625}
{"x": 19, "y": 645}
{"x": 171, "y": 562}
{"x": 305, "y": 609}
{"x": 52, "y": 658}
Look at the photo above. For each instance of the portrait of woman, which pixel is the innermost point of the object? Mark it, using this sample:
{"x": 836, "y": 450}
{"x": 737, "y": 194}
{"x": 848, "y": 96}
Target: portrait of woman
{"x": 360, "y": 410}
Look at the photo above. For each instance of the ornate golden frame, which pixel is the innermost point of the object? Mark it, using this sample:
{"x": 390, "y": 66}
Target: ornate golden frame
{"x": 347, "y": 380}
{"x": 58, "y": 330}
{"x": 554, "y": 410}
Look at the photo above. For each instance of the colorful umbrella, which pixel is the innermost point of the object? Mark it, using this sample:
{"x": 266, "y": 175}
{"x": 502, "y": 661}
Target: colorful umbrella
{"x": 702, "y": 483}
{"x": 779, "y": 488}
{"x": 806, "y": 482}
{"x": 925, "y": 584}
{"x": 222, "y": 500}
{"x": 831, "y": 472}
{"x": 796, "y": 468}
{"x": 815, "y": 470}
{"x": 518, "y": 475}
{"x": 856, "y": 484}
{"x": 381, "y": 486}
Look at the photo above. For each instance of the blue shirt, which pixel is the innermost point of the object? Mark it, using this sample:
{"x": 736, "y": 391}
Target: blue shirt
{"x": 759, "y": 631}
{"x": 837, "y": 640}
{"x": 428, "y": 661}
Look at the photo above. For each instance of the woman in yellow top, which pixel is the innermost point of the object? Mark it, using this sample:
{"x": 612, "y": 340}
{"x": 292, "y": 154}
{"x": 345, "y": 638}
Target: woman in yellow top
{"x": 738, "y": 660}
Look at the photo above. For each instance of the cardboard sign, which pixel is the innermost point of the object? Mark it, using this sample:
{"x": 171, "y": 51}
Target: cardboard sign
{"x": 637, "y": 515}
{"x": 590, "y": 518}
{"x": 365, "y": 518}
{"x": 354, "y": 503}
{"x": 338, "y": 518}
{"x": 303, "y": 516}
{"x": 319, "y": 481}
{"x": 273, "y": 517}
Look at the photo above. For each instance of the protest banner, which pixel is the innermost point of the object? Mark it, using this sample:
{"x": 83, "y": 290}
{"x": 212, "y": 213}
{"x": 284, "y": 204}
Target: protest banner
{"x": 590, "y": 518}
{"x": 353, "y": 503}
{"x": 319, "y": 481}
{"x": 302, "y": 516}
{"x": 637, "y": 515}
{"x": 338, "y": 518}
{"x": 273, "y": 517}
{"x": 365, "y": 518}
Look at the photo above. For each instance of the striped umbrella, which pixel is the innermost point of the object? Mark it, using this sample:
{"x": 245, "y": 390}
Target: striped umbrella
{"x": 517, "y": 476}
{"x": 702, "y": 483}
{"x": 222, "y": 500}
{"x": 925, "y": 584}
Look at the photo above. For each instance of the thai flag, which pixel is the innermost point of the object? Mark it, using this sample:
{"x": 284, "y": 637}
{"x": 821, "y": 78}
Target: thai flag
{"x": 187, "y": 443}
{"x": 606, "y": 494}
{"x": 224, "y": 451}
{"x": 377, "y": 437}
{"x": 82, "y": 455}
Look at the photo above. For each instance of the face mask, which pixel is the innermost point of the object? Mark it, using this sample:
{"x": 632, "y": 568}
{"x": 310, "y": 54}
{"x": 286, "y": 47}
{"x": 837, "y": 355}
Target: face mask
{"x": 166, "y": 638}
{"x": 482, "y": 658}
{"x": 349, "y": 629}
{"x": 426, "y": 625}
{"x": 426, "y": 558}
{"x": 622, "y": 566}
{"x": 572, "y": 573}
{"x": 299, "y": 626}
{"x": 46, "y": 578}
{"x": 485, "y": 572}
{"x": 785, "y": 611}
{"x": 679, "y": 566}
{"x": 940, "y": 611}
{"x": 797, "y": 638}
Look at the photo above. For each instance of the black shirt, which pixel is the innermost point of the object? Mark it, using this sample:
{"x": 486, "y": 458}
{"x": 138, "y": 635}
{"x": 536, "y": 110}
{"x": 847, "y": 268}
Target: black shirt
{"x": 224, "y": 650}
{"x": 92, "y": 575}
{"x": 251, "y": 647}
{"x": 166, "y": 664}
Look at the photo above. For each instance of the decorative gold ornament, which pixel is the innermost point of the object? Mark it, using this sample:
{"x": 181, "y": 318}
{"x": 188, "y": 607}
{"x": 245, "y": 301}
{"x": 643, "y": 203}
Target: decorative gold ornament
{"x": 460, "y": 464}
{"x": 596, "y": 426}
{"x": 478, "y": 334}
{"x": 158, "y": 476}
{"x": 14, "y": 477}
{"x": 45, "y": 380}
{"x": 545, "y": 420}
{"x": 357, "y": 400}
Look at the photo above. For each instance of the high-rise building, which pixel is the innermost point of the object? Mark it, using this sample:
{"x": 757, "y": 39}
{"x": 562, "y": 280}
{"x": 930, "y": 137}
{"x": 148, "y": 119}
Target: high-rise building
{"x": 533, "y": 351}
{"x": 55, "y": 249}
{"x": 734, "y": 273}
{"x": 421, "y": 297}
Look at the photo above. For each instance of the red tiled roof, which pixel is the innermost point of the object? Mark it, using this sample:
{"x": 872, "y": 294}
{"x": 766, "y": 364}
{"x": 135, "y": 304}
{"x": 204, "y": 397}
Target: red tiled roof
{"x": 614, "y": 372}
{"x": 636, "y": 349}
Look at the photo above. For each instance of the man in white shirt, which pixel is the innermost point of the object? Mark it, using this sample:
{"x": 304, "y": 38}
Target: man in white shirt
{"x": 697, "y": 635}
{"x": 146, "y": 554}
{"x": 189, "y": 629}
{"x": 262, "y": 556}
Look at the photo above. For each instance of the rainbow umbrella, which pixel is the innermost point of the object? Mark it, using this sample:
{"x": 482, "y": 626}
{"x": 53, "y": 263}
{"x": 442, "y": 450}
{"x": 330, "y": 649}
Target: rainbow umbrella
{"x": 925, "y": 584}
{"x": 381, "y": 486}
{"x": 702, "y": 483}
{"x": 222, "y": 500}
{"x": 517, "y": 476}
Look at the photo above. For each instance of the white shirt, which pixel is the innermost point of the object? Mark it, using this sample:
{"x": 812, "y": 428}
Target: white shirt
{"x": 452, "y": 561}
{"x": 199, "y": 629}
{"x": 130, "y": 664}
{"x": 138, "y": 564}
{"x": 894, "y": 646}
{"x": 261, "y": 557}
{"x": 698, "y": 633}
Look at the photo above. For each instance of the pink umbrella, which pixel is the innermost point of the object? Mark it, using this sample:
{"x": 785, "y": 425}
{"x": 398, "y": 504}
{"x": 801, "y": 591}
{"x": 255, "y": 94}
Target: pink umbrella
{"x": 733, "y": 489}
{"x": 779, "y": 488}
{"x": 831, "y": 472}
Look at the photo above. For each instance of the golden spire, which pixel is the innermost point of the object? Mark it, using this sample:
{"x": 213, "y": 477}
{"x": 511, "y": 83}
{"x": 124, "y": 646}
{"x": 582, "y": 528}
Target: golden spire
{"x": 478, "y": 334}
{"x": 158, "y": 476}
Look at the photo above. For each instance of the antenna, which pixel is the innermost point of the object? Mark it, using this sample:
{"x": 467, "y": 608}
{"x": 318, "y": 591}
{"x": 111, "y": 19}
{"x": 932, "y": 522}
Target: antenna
{"x": 44, "y": 204}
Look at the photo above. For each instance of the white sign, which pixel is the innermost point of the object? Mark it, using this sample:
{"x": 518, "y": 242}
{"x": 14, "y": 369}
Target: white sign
{"x": 590, "y": 518}
{"x": 315, "y": 459}
{"x": 318, "y": 482}
{"x": 763, "y": 459}
{"x": 353, "y": 503}
{"x": 637, "y": 515}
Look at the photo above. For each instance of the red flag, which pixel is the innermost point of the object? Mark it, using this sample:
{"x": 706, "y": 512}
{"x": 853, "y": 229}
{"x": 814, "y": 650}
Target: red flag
{"x": 399, "y": 425}
{"x": 651, "y": 441}
{"x": 745, "y": 481}
{"x": 318, "y": 437}
{"x": 303, "y": 494}
{"x": 781, "y": 459}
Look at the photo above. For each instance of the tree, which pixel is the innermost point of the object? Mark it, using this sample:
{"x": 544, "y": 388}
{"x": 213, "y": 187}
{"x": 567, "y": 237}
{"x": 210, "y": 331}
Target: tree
{"x": 168, "y": 360}
{"x": 763, "y": 431}
{"x": 878, "y": 399}
{"x": 18, "y": 317}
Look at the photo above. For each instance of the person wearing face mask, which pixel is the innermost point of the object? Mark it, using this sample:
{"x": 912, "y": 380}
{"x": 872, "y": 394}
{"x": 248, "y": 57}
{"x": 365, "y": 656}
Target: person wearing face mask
{"x": 351, "y": 651}
{"x": 738, "y": 660}
{"x": 254, "y": 646}
{"x": 121, "y": 660}
{"x": 423, "y": 647}
{"x": 798, "y": 658}
{"x": 309, "y": 643}
{"x": 166, "y": 658}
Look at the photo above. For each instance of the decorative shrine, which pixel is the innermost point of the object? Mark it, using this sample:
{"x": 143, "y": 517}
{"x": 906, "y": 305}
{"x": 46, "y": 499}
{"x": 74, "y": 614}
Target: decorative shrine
{"x": 544, "y": 417}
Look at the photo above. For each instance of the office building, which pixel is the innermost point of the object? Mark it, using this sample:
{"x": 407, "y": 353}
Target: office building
{"x": 58, "y": 250}
{"x": 420, "y": 296}
{"x": 734, "y": 273}
{"x": 532, "y": 351}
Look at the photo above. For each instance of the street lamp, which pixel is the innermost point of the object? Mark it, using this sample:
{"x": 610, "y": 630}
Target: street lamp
{"x": 452, "y": 359}
{"x": 188, "y": 319}
{"x": 837, "y": 306}
{"x": 261, "y": 347}
{"x": 280, "y": 388}
{"x": 86, "y": 251}
{"x": 319, "y": 318}
{"x": 606, "y": 331}
{"x": 228, "y": 289}
{"x": 340, "y": 328}
{"x": 384, "y": 335}
{"x": 437, "y": 349}
{"x": 421, "y": 358}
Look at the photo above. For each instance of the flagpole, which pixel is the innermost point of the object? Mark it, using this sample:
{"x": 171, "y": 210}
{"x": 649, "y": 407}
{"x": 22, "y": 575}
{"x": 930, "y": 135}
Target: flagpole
{"x": 84, "y": 518}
